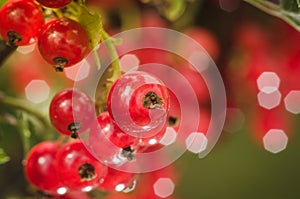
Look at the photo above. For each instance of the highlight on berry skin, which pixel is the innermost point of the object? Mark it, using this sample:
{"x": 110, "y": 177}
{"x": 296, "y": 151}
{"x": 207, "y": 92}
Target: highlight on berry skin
{"x": 71, "y": 111}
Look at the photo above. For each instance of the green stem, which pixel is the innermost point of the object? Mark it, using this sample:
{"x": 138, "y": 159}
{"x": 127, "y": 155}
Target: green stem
{"x": 265, "y": 6}
{"x": 5, "y": 51}
{"x": 115, "y": 65}
{"x": 110, "y": 75}
{"x": 24, "y": 106}
{"x": 25, "y": 134}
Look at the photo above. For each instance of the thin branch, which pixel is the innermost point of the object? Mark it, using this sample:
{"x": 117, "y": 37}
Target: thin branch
{"x": 24, "y": 106}
{"x": 5, "y": 51}
{"x": 265, "y": 6}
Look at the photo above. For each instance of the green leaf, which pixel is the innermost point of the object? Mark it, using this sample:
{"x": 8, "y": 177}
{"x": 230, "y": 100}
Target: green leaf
{"x": 174, "y": 9}
{"x": 290, "y": 12}
{"x": 3, "y": 157}
{"x": 92, "y": 22}
{"x": 290, "y": 6}
{"x": 287, "y": 10}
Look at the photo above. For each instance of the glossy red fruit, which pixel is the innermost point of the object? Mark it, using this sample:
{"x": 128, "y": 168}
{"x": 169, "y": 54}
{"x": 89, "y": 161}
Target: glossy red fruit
{"x": 77, "y": 168}
{"x": 71, "y": 112}
{"x": 54, "y": 3}
{"x": 20, "y": 21}
{"x": 139, "y": 103}
{"x": 40, "y": 168}
{"x": 63, "y": 42}
{"x": 116, "y": 180}
{"x": 109, "y": 142}
{"x": 111, "y": 131}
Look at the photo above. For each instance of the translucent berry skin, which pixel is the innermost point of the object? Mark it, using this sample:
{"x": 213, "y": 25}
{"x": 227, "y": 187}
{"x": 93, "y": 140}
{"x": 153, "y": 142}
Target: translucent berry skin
{"x": 23, "y": 17}
{"x": 116, "y": 180}
{"x": 40, "y": 167}
{"x": 78, "y": 169}
{"x": 63, "y": 39}
{"x": 54, "y": 3}
{"x": 71, "y": 112}
{"x": 111, "y": 131}
{"x": 138, "y": 102}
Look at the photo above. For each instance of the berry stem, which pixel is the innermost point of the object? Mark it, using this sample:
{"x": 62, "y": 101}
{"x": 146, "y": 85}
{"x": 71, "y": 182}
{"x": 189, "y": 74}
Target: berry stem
{"x": 111, "y": 75}
{"x": 24, "y": 106}
{"x": 25, "y": 133}
{"x": 266, "y": 6}
{"x": 5, "y": 51}
{"x": 115, "y": 65}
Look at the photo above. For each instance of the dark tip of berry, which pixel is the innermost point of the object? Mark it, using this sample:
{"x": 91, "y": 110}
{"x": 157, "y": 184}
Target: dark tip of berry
{"x": 172, "y": 121}
{"x": 13, "y": 38}
{"x": 60, "y": 63}
{"x": 152, "y": 101}
{"x": 127, "y": 152}
{"x": 86, "y": 172}
{"x": 74, "y": 128}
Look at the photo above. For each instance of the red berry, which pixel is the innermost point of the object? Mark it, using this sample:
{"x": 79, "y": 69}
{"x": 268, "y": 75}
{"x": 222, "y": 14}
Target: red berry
{"x": 139, "y": 103}
{"x": 77, "y": 168}
{"x": 113, "y": 132}
{"x": 40, "y": 168}
{"x": 20, "y": 21}
{"x": 116, "y": 180}
{"x": 71, "y": 112}
{"x": 63, "y": 42}
{"x": 106, "y": 132}
{"x": 54, "y": 3}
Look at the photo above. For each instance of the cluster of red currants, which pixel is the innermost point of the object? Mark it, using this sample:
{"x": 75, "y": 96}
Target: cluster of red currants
{"x": 134, "y": 125}
{"x": 62, "y": 41}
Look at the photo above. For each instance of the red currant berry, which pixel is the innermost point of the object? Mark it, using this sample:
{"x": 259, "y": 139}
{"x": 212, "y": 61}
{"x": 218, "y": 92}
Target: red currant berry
{"x": 116, "y": 180}
{"x": 77, "y": 168}
{"x": 20, "y": 21}
{"x": 113, "y": 132}
{"x": 138, "y": 102}
{"x": 63, "y": 42}
{"x": 40, "y": 168}
{"x": 54, "y": 3}
{"x": 106, "y": 128}
{"x": 71, "y": 112}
